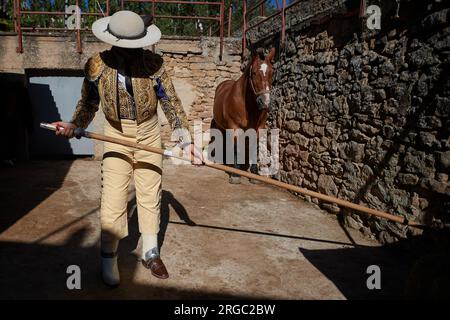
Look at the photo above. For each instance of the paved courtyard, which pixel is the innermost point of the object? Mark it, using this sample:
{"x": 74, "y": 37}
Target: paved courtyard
{"x": 218, "y": 240}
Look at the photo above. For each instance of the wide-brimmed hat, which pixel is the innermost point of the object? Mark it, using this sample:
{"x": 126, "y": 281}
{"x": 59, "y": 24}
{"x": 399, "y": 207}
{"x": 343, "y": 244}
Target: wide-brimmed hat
{"x": 127, "y": 29}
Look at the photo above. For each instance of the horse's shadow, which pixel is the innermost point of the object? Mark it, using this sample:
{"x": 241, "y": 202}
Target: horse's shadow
{"x": 169, "y": 200}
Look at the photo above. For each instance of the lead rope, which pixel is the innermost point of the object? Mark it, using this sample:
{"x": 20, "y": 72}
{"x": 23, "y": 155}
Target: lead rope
{"x": 257, "y": 94}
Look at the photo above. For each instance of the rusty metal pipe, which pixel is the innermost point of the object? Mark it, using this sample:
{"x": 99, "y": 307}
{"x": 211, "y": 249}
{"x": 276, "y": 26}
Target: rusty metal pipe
{"x": 19, "y": 49}
{"x": 60, "y": 13}
{"x": 222, "y": 18}
{"x": 283, "y": 21}
{"x": 230, "y": 13}
{"x": 244, "y": 26}
{"x": 217, "y": 18}
{"x": 178, "y": 2}
{"x": 78, "y": 22}
{"x": 53, "y": 29}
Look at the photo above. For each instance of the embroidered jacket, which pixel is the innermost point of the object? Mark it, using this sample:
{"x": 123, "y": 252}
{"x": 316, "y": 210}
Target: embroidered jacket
{"x": 150, "y": 83}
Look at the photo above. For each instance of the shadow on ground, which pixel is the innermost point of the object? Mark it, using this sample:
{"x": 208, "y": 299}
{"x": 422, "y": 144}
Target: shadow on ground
{"x": 25, "y": 186}
{"x": 39, "y": 271}
{"x": 36, "y": 271}
{"x": 414, "y": 268}
{"x": 409, "y": 269}
{"x": 417, "y": 268}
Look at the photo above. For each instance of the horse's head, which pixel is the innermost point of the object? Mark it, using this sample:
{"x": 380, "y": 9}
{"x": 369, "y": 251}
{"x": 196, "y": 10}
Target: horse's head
{"x": 260, "y": 76}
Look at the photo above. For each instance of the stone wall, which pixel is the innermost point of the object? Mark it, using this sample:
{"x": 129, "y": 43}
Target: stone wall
{"x": 197, "y": 74}
{"x": 364, "y": 115}
{"x": 193, "y": 63}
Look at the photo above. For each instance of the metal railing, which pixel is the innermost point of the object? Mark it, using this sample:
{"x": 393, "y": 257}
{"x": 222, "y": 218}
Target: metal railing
{"x": 281, "y": 10}
{"x": 18, "y": 13}
{"x": 229, "y": 19}
{"x": 261, "y": 5}
{"x": 219, "y": 18}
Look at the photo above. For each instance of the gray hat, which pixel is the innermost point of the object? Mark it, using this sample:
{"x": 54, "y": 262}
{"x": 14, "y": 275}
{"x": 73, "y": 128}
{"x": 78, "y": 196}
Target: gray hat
{"x": 126, "y": 29}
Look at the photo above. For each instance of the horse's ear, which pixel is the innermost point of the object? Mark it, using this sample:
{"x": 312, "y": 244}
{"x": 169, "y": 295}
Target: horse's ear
{"x": 254, "y": 53}
{"x": 271, "y": 54}
{"x": 258, "y": 53}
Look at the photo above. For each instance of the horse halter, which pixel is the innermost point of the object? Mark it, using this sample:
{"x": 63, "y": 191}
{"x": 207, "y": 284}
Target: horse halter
{"x": 259, "y": 93}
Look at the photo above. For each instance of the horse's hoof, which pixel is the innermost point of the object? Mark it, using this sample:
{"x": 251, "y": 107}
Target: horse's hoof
{"x": 234, "y": 180}
{"x": 253, "y": 181}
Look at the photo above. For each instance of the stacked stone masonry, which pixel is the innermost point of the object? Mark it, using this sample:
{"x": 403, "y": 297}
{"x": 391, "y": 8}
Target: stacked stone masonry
{"x": 364, "y": 115}
{"x": 196, "y": 75}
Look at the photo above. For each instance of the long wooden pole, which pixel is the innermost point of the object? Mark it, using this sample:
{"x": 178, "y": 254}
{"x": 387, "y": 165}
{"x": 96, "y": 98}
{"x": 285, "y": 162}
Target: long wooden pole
{"x": 327, "y": 198}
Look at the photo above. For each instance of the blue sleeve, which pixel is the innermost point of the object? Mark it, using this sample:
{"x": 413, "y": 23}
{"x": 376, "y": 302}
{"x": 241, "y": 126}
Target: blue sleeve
{"x": 160, "y": 90}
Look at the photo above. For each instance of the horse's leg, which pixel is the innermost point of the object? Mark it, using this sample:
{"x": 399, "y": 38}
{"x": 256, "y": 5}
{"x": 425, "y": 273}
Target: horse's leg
{"x": 235, "y": 178}
{"x": 254, "y": 166}
{"x": 217, "y": 155}
{"x": 259, "y": 125}
{"x": 247, "y": 163}
{"x": 213, "y": 125}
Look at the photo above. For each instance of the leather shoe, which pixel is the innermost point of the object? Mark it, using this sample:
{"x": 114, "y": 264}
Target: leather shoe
{"x": 157, "y": 267}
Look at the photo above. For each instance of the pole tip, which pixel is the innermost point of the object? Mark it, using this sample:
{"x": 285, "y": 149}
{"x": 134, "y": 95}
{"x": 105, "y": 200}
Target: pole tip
{"x": 48, "y": 126}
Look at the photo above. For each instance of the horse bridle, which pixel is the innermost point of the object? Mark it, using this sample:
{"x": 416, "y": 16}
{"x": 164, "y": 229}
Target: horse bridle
{"x": 257, "y": 94}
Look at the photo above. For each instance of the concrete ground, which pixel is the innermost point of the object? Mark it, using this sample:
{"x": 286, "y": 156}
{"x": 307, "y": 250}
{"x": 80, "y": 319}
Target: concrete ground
{"x": 218, "y": 240}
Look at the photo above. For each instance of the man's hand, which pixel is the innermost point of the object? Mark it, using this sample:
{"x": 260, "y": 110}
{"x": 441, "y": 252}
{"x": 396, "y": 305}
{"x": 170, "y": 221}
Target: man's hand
{"x": 197, "y": 156}
{"x": 65, "y": 129}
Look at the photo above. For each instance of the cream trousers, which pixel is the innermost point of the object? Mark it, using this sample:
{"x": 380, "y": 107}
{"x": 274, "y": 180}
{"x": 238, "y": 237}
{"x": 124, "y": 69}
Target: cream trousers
{"x": 119, "y": 165}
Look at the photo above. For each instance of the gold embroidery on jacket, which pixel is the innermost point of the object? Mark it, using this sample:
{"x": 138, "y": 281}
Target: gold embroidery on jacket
{"x": 94, "y": 67}
{"x": 107, "y": 86}
{"x": 101, "y": 71}
{"x": 87, "y": 106}
{"x": 126, "y": 102}
{"x": 172, "y": 108}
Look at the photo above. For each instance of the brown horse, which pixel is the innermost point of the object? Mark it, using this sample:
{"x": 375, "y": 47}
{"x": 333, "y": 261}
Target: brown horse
{"x": 244, "y": 103}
